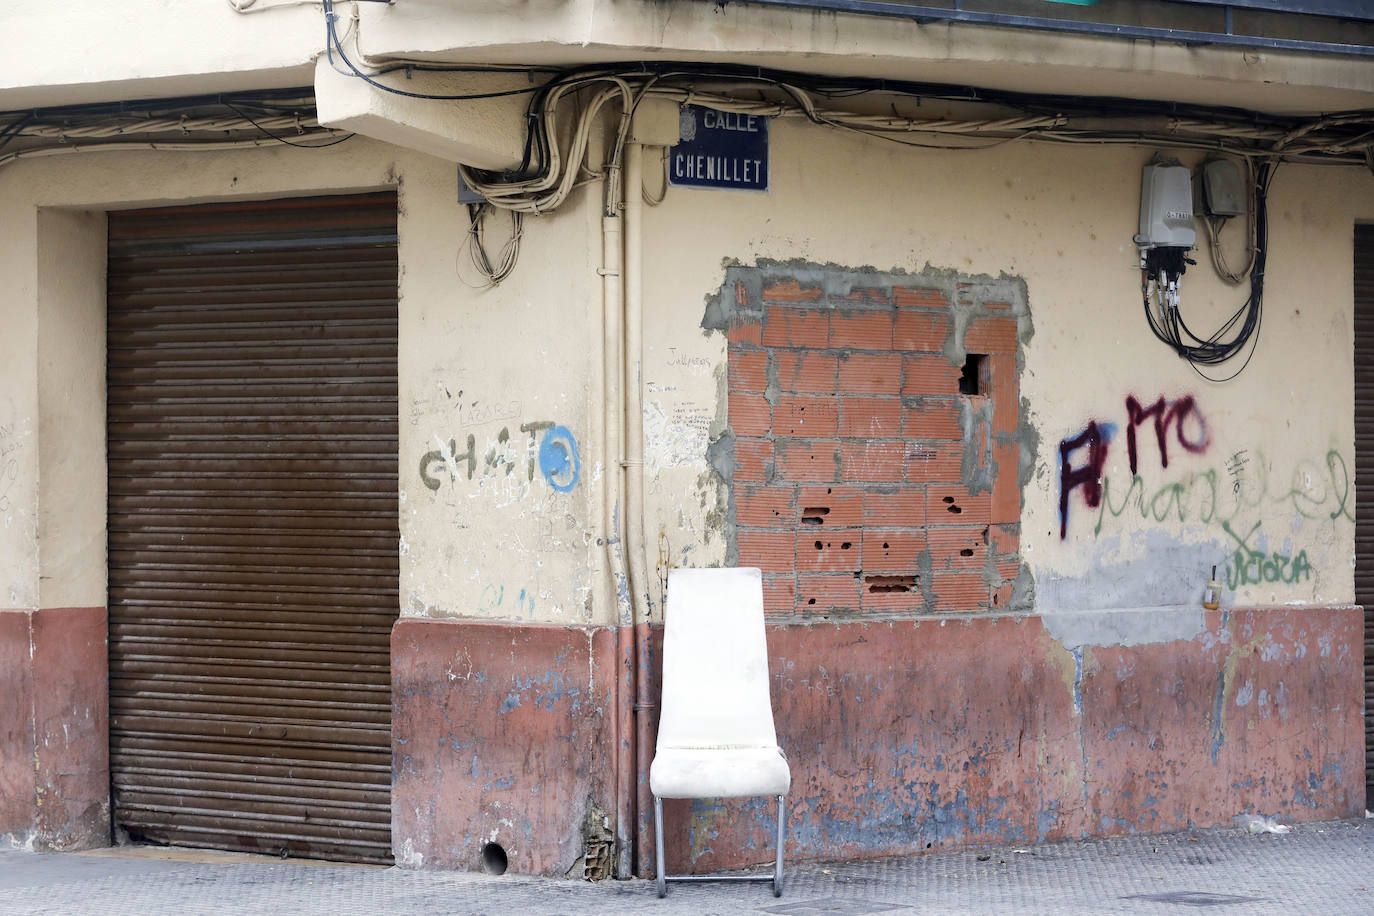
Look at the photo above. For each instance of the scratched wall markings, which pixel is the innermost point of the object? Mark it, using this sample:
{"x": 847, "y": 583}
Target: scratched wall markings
{"x": 9, "y": 463}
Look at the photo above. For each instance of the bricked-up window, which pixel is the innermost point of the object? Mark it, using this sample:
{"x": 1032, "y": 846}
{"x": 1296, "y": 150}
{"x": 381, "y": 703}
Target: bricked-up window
{"x": 864, "y": 479}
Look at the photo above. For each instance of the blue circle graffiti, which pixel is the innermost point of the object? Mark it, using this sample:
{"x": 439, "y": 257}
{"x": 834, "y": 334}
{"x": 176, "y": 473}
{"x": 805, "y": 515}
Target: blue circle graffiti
{"x": 558, "y": 458}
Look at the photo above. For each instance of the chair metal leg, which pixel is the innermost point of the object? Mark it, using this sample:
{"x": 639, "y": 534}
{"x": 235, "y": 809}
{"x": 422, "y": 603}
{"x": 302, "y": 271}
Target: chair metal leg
{"x": 777, "y": 867}
{"x": 661, "y": 876}
{"x": 659, "y": 872}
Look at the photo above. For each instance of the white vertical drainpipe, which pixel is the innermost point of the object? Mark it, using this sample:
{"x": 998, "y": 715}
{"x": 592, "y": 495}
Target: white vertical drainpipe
{"x": 611, "y": 525}
{"x": 634, "y": 486}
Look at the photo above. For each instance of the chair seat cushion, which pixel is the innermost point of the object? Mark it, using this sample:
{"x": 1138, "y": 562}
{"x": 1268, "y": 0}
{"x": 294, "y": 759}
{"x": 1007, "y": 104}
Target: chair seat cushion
{"x": 719, "y": 772}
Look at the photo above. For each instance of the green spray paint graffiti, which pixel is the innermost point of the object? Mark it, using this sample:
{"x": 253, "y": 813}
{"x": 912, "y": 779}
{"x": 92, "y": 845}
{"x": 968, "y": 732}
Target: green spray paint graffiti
{"x": 1250, "y": 566}
{"x": 1318, "y": 490}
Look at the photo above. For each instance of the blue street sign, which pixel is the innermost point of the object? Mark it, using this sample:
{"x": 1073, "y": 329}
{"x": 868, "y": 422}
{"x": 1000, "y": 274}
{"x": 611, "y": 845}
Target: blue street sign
{"x": 720, "y": 149}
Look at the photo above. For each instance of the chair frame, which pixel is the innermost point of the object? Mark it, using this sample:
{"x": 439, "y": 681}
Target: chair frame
{"x": 663, "y": 877}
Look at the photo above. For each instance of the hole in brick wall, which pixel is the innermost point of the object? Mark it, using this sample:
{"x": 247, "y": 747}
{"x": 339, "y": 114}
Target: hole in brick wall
{"x": 971, "y": 377}
{"x": 810, "y": 600}
{"x": 846, "y": 545}
{"x": 994, "y": 599}
{"x": 820, "y": 545}
{"x": 966, "y": 552}
{"x": 883, "y": 584}
{"x": 814, "y": 515}
{"x": 951, "y": 506}
{"x": 985, "y": 535}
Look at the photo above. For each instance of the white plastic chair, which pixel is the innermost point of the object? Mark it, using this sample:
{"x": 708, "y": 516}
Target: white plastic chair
{"x": 715, "y": 733}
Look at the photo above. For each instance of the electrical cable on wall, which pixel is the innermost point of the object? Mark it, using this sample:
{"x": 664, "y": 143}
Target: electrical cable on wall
{"x": 1163, "y": 266}
{"x": 566, "y": 108}
{"x": 493, "y": 272}
{"x": 214, "y": 122}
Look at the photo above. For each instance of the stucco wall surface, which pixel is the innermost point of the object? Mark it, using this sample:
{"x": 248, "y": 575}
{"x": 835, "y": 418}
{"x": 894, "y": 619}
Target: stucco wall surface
{"x": 87, "y": 51}
{"x": 1252, "y": 475}
{"x": 499, "y": 527}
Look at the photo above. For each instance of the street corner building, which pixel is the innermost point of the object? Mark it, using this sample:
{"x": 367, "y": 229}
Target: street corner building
{"x": 366, "y": 367}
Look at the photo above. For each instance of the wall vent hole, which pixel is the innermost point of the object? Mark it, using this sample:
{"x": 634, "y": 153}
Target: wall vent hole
{"x": 966, "y": 552}
{"x": 814, "y": 515}
{"x": 879, "y": 585}
{"x": 494, "y": 859}
{"x": 971, "y": 376}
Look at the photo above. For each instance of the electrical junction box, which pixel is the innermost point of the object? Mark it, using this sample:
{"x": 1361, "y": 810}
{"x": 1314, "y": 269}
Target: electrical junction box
{"x": 467, "y": 195}
{"x": 1166, "y": 207}
{"x": 1223, "y": 188}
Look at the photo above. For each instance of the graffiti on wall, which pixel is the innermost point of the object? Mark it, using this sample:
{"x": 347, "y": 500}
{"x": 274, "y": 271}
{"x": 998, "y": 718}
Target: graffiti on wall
{"x": 1253, "y": 566}
{"x": 507, "y": 460}
{"x": 9, "y": 464}
{"x": 1179, "y": 420}
{"x": 1317, "y": 489}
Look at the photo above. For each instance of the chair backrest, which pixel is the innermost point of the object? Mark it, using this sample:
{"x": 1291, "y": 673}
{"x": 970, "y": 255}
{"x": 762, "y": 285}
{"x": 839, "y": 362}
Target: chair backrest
{"x": 715, "y": 661}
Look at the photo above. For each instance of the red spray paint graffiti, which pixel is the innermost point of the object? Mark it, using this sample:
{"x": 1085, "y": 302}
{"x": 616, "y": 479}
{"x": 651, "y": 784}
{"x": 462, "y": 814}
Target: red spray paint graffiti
{"x": 1182, "y": 416}
{"x": 1191, "y": 435}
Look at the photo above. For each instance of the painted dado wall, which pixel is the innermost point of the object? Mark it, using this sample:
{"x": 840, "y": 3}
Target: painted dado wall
{"x": 1061, "y": 679}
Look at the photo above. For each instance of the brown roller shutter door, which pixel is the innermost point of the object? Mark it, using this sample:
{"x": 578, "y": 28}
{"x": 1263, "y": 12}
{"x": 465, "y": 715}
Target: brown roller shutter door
{"x": 1364, "y": 477}
{"x": 253, "y": 540}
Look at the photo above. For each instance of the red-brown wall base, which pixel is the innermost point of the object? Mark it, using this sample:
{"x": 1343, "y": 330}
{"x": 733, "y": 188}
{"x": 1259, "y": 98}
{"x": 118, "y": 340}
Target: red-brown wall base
{"x": 903, "y": 736}
{"x": 502, "y": 733}
{"x": 54, "y": 728}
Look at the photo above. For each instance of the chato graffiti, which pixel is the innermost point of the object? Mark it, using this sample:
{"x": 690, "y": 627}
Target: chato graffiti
{"x": 550, "y": 448}
{"x": 1249, "y": 566}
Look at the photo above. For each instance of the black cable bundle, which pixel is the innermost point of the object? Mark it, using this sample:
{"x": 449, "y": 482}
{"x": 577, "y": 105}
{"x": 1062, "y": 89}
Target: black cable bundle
{"x": 1238, "y": 331}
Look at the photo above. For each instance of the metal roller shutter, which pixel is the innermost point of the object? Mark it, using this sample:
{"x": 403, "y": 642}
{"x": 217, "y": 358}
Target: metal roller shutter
{"x": 1364, "y": 476}
{"x": 253, "y": 537}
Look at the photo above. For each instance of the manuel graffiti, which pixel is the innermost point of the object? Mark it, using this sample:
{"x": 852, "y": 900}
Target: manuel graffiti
{"x": 1317, "y": 489}
{"x": 546, "y": 446}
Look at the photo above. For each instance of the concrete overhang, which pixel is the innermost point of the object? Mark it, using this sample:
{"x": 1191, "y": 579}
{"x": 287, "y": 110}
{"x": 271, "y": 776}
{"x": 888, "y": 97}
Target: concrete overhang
{"x": 564, "y": 33}
{"x": 486, "y": 133}
{"x": 76, "y": 52}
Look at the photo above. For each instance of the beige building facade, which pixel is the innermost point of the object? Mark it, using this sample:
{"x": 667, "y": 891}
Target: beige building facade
{"x": 912, "y": 380}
